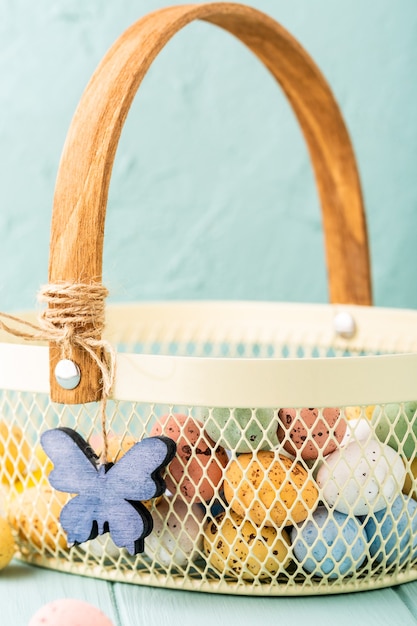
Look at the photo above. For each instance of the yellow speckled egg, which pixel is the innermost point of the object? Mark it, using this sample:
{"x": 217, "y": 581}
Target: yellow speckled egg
{"x": 37, "y": 472}
{"x": 410, "y": 484}
{"x": 15, "y": 453}
{"x": 3, "y": 499}
{"x": 34, "y": 514}
{"x": 356, "y": 412}
{"x": 31, "y": 480}
{"x": 7, "y": 545}
{"x": 42, "y": 461}
{"x": 269, "y": 488}
{"x": 236, "y": 547}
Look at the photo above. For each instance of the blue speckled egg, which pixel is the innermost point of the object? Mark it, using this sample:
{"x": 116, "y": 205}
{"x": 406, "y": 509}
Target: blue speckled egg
{"x": 392, "y": 532}
{"x": 330, "y": 544}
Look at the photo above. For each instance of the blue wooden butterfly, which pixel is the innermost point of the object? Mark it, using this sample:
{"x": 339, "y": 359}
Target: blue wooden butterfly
{"x": 109, "y": 495}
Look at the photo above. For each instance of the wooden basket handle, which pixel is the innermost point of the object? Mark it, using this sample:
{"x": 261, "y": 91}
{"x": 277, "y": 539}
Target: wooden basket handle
{"x": 86, "y": 164}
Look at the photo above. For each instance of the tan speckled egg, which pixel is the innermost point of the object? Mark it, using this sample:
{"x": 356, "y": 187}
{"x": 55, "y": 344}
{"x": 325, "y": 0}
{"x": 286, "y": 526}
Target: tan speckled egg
{"x": 269, "y": 488}
{"x": 235, "y": 547}
{"x": 197, "y": 468}
{"x": 311, "y": 432}
{"x": 117, "y": 445}
{"x": 34, "y": 514}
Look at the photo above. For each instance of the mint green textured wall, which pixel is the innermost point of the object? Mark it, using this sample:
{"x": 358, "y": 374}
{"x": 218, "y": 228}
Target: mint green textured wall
{"x": 212, "y": 194}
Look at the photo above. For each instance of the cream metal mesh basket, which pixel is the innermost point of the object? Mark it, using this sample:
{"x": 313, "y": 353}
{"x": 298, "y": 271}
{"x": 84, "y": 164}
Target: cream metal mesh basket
{"x": 296, "y": 426}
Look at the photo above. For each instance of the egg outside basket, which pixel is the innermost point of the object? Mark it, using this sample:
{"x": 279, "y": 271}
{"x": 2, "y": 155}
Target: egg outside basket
{"x": 283, "y": 517}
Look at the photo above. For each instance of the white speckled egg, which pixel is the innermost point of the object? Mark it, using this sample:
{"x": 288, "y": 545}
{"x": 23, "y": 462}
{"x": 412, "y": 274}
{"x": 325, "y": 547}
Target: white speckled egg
{"x": 360, "y": 478}
{"x": 357, "y": 430}
{"x": 177, "y": 534}
{"x": 103, "y": 546}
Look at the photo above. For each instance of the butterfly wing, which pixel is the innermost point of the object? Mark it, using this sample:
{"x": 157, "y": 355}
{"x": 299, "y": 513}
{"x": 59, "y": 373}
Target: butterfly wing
{"x": 129, "y": 523}
{"x": 86, "y": 516}
{"x": 79, "y": 520}
{"x": 75, "y": 463}
{"x": 137, "y": 475}
{"x": 75, "y": 471}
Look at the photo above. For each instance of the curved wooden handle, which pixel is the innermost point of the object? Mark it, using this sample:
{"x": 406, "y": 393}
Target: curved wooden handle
{"x": 84, "y": 174}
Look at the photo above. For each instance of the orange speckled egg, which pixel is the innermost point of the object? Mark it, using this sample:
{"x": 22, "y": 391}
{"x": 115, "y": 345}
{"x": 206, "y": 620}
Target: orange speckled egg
{"x": 197, "y": 469}
{"x": 269, "y": 488}
{"x": 311, "y": 432}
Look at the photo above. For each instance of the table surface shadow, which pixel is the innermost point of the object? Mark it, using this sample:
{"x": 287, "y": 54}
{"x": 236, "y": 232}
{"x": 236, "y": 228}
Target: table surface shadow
{"x": 25, "y": 588}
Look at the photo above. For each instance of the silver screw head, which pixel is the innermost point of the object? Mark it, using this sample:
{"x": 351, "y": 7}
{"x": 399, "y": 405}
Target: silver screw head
{"x": 67, "y": 374}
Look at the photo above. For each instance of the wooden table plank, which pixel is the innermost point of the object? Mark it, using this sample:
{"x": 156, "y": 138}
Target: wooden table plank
{"x": 158, "y": 607}
{"x": 408, "y": 595}
{"x": 24, "y": 589}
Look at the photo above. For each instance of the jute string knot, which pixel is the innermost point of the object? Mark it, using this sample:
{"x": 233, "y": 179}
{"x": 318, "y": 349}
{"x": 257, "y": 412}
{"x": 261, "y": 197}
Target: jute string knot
{"x": 74, "y": 316}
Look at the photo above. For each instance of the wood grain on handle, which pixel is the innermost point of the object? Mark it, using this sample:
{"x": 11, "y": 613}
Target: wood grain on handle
{"x": 86, "y": 164}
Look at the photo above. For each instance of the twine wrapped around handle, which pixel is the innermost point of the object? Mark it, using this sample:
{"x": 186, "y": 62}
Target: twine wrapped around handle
{"x": 78, "y": 321}
{"x": 84, "y": 175}
{"x": 73, "y": 320}
{"x": 75, "y": 317}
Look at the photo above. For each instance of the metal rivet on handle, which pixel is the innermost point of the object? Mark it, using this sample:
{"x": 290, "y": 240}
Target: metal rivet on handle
{"x": 67, "y": 374}
{"x": 344, "y": 324}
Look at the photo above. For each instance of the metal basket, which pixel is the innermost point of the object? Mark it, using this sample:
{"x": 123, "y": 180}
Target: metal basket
{"x": 295, "y": 425}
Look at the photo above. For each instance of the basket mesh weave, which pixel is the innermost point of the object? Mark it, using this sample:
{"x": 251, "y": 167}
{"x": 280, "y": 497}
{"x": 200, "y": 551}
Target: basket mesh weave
{"x": 266, "y": 500}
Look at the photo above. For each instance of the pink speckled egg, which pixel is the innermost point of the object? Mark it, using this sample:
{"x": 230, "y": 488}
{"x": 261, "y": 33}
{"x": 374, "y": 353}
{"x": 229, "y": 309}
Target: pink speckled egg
{"x": 311, "y": 432}
{"x": 197, "y": 468}
{"x": 69, "y": 612}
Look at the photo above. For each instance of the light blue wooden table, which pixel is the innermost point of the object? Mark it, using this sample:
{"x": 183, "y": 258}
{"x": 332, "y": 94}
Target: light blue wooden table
{"x": 24, "y": 588}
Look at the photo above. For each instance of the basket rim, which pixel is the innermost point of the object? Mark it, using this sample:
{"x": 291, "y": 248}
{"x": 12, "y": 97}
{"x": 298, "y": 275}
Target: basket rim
{"x": 251, "y": 382}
